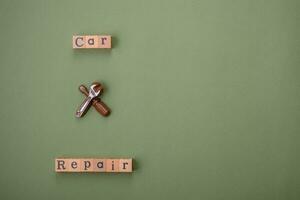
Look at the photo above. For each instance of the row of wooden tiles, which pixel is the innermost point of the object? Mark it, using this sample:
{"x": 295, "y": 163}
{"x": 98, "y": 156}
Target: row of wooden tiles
{"x": 91, "y": 41}
{"x": 93, "y": 165}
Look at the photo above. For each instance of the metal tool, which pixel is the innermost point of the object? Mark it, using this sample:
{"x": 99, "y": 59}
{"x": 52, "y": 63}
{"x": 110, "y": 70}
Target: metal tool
{"x": 94, "y": 91}
{"x": 98, "y": 104}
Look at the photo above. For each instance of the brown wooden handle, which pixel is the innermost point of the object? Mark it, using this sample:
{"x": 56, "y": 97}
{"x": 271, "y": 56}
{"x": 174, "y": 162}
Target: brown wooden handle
{"x": 99, "y": 105}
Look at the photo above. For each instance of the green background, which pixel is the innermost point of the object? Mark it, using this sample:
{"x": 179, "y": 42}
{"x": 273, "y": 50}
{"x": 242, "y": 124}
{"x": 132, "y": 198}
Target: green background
{"x": 204, "y": 96}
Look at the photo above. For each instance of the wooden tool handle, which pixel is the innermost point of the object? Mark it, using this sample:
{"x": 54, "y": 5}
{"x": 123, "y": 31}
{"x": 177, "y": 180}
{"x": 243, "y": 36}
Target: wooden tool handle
{"x": 99, "y": 105}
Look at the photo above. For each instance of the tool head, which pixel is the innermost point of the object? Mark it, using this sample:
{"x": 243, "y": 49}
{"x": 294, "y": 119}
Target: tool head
{"x": 95, "y": 90}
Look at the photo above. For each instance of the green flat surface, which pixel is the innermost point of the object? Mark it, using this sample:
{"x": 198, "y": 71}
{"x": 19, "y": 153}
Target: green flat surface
{"x": 205, "y": 96}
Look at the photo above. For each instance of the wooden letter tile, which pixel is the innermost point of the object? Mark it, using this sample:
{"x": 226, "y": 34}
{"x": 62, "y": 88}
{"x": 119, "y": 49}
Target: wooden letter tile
{"x": 104, "y": 41}
{"x": 87, "y": 165}
{"x": 60, "y": 165}
{"x": 79, "y": 42}
{"x": 92, "y": 41}
{"x": 112, "y": 165}
{"x": 99, "y": 165}
{"x": 74, "y": 165}
{"x": 125, "y": 165}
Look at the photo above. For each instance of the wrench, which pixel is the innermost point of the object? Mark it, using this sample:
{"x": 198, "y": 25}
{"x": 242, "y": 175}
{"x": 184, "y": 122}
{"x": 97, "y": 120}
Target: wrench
{"x": 94, "y": 91}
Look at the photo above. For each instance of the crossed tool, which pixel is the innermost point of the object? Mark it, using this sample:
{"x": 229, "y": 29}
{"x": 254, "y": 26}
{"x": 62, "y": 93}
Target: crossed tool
{"x": 92, "y": 99}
